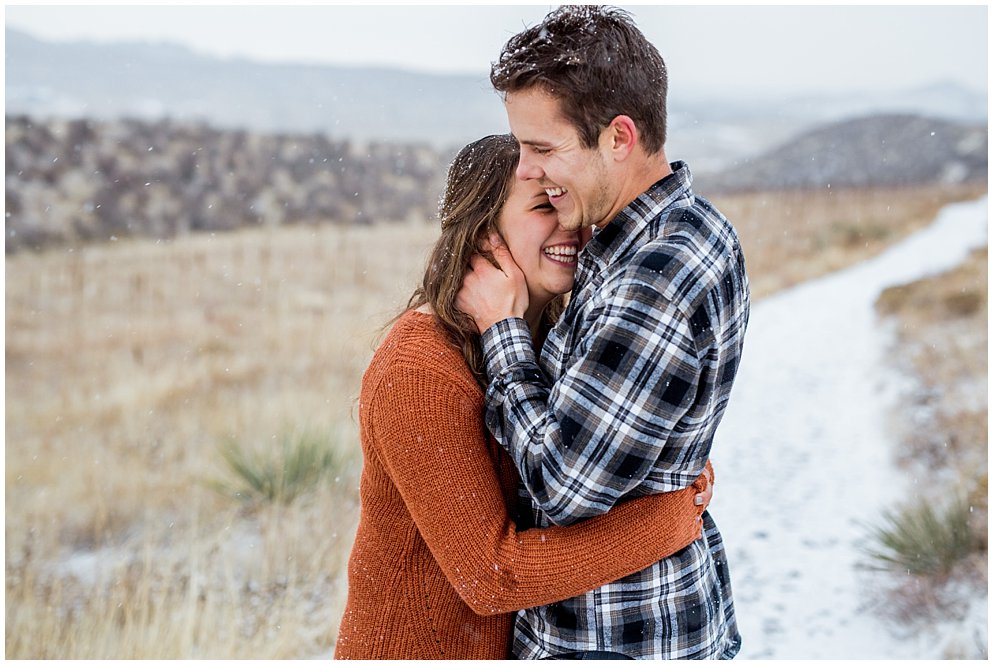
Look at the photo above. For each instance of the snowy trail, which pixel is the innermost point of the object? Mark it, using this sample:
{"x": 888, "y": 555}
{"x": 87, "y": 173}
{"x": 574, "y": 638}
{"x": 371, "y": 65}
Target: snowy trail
{"x": 803, "y": 457}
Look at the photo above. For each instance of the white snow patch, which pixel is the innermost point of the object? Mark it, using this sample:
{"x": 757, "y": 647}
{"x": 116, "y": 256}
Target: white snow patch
{"x": 803, "y": 458}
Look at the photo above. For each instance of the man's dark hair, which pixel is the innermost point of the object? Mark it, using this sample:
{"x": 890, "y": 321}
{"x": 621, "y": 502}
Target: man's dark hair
{"x": 599, "y": 65}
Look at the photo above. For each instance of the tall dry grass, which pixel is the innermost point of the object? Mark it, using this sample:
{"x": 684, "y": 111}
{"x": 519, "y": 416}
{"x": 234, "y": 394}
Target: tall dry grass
{"x": 791, "y": 236}
{"x": 938, "y": 543}
{"x": 128, "y": 363}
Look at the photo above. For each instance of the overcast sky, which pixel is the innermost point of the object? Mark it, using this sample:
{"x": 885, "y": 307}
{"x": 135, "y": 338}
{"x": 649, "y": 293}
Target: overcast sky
{"x": 767, "y": 48}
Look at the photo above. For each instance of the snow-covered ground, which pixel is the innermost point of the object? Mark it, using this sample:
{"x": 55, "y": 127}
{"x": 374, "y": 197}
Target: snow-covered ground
{"x": 804, "y": 460}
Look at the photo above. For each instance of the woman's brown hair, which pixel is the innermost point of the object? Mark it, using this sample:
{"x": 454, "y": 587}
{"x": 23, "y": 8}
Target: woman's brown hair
{"x": 479, "y": 181}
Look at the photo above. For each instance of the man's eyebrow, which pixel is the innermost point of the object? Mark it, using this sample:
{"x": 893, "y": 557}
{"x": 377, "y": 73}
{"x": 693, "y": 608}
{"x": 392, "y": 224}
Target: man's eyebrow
{"x": 535, "y": 142}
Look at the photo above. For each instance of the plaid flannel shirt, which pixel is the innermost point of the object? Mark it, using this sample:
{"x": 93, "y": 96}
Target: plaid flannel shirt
{"x": 630, "y": 387}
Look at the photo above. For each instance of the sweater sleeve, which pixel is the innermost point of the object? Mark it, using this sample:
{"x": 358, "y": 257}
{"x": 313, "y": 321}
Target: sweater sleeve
{"x": 432, "y": 441}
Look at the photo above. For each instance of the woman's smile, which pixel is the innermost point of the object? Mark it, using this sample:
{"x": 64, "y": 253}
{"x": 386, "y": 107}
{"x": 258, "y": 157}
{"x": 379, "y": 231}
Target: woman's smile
{"x": 563, "y": 254}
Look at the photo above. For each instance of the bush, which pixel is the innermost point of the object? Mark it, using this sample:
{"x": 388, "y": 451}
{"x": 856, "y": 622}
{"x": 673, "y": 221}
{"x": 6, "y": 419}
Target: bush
{"x": 297, "y": 466}
{"x": 922, "y": 539}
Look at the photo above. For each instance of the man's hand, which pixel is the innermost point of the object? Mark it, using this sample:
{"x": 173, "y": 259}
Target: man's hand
{"x": 490, "y": 294}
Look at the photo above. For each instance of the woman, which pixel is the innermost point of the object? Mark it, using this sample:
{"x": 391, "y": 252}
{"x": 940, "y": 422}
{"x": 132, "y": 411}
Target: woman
{"x": 438, "y": 563}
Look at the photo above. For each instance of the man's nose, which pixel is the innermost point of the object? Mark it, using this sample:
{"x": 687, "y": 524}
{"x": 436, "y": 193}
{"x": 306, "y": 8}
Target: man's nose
{"x": 527, "y": 169}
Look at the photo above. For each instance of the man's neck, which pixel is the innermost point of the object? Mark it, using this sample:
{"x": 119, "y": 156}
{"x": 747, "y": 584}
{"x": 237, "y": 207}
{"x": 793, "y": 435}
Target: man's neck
{"x": 642, "y": 176}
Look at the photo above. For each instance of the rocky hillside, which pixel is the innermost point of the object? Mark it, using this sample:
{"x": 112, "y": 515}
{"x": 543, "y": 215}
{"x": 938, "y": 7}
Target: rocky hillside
{"x": 80, "y": 180}
{"x": 70, "y": 181}
{"x": 880, "y": 150}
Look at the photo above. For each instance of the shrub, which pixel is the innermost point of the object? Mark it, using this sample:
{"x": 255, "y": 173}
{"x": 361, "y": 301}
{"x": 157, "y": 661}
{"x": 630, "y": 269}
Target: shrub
{"x": 302, "y": 461}
{"x": 923, "y": 539}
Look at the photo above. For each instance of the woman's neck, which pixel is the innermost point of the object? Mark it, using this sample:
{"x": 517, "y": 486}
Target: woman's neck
{"x": 533, "y": 318}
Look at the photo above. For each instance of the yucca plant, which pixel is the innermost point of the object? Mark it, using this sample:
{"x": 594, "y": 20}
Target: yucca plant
{"x": 281, "y": 474}
{"x": 925, "y": 539}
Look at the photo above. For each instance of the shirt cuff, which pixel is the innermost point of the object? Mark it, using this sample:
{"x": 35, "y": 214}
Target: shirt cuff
{"x": 505, "y": 344}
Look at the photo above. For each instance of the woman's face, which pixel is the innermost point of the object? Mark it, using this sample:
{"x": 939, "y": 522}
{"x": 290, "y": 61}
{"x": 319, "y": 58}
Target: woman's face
{"x": 545, "y": 253}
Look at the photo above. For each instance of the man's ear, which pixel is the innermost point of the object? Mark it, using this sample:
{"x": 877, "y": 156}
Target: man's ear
{"x": 623, "y": 137}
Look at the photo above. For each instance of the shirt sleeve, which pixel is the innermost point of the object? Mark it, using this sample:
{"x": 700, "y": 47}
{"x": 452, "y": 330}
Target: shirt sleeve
{"x": 437, "y": 456}
{"x": 591, "y": 437}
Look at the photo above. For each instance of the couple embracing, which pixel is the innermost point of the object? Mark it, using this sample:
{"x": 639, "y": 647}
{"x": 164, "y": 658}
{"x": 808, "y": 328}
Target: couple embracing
{"x": 536, "y": 473}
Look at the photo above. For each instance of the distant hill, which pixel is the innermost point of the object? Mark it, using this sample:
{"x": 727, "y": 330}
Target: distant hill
{"x": 155, "y": 81}
{"x": 156, "y": 140}
{"x": 149, "y": 82}
{"x": 879, "y": 150}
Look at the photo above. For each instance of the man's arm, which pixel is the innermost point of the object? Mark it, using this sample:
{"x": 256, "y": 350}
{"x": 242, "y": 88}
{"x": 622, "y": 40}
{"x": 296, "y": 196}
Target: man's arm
{"x": 434, "y": 449}
{"x": 589, "y": 439}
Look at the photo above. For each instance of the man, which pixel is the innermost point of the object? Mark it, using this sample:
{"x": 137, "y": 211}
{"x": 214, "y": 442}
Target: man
{"x": 634, "y": 378}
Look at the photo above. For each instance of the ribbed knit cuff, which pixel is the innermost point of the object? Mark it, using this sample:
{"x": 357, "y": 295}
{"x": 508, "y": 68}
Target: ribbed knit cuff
{"x": 505, "y": 344}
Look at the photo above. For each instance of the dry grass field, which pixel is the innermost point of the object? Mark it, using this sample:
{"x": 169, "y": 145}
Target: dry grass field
{"x": 130, "y": 365}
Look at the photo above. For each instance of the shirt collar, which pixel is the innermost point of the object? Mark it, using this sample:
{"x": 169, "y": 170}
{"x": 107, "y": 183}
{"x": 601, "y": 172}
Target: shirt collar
{"x": 614, "y": 239}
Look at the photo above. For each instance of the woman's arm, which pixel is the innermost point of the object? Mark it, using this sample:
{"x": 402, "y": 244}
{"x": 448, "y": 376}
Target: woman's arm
{"x": 433, "y": 443}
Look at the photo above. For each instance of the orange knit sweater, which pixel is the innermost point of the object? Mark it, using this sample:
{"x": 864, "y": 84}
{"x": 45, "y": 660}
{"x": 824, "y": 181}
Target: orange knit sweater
{"x": 437, "y": 562}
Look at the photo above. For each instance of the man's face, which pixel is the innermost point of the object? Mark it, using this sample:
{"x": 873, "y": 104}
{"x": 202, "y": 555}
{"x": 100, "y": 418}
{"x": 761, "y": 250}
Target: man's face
{"x": 576, "y": 178}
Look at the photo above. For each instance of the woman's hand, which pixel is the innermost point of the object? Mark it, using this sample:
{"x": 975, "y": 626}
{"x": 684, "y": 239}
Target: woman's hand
{"x": 704, "y": 485}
